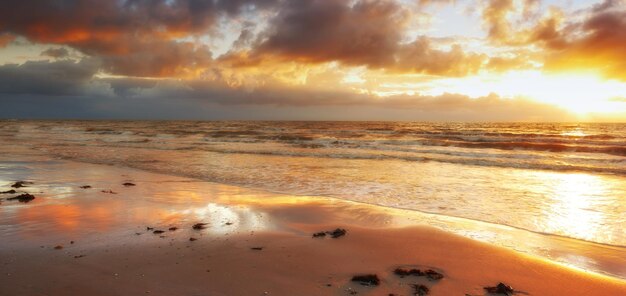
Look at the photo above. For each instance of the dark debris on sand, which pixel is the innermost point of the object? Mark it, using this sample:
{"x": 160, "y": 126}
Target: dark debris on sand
{"x": 433, "y": 275}
{"x": 339, "y": 232}
{"x": 429, "y": 273}
{"x": 85, "y": 187}
{"x": 8, "y": 192}
{"x": 420, "y": 290}
{"x": 199, "y": 226}
{"x": 367, "y": 279}
{"x": 108, "y": 191}
{"x": 25, "y": 197}
{"x": 407, "y": 272}
{"x": 128, "y": 184}
{"x": 500, "y": 288}
{"x": 20, "y": 184}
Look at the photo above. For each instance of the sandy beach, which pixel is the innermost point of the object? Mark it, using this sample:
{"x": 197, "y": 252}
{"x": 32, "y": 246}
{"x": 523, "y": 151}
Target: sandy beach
{"x": 100, "y": 241}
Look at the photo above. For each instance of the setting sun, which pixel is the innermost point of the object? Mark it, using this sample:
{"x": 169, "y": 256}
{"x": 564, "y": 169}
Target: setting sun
{"x": 581, "y": 93}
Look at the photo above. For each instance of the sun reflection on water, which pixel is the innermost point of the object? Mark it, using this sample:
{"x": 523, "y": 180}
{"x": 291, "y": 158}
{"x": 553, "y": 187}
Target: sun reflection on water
{"x": 575, "y": 198}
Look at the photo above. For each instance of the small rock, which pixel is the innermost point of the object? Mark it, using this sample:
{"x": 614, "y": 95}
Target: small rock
{"x": 420, "y": 290}
{"x": 85, "y": 187}
{"x": 20, "y": 184}
{"x": 500, "y": 289}
{"x": 172, "y": 228}
{"x": 337, "y": 233}
{"x": 367, "y": 279}
{"x": 108, "y": 191}
{"x": 158, "y": 231}
{"x": 433, "y": 275}
{"x": 257, "y": 248}
{"x": 58, "y": 247}
{"x": 191, "y": 239}
{"x": 128, "y": 184}
{"x": 199, "y": 226}
{"x": 406, "y": 272}
{"x": 8, "y": 192}
{"x": 319, "y": 234}
{"x": 24, "y": 197}
{"x": 79, "y": 256}
{"x": 149, "y": 228}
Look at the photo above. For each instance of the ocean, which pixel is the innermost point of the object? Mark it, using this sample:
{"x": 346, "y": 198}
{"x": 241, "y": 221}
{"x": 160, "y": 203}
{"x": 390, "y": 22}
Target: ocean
{"x": 558, "y": 179}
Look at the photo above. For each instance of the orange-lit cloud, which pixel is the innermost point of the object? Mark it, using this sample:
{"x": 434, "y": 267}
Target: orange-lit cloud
{"x": 135, "y": 38}
{"x": 374, "y": 53}
{"x": 600, "y": 43}
{"x": 369, "y": 33}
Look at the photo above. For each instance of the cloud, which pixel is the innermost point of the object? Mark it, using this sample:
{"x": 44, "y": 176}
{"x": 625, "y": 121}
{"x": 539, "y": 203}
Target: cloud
{"x": 70, "y": 89}
{"x": 162, "y": 38}
{"x": 421, "y": 57}
{"x": 409, "y": 107}
{"x": 591, "y": 39}
{"x": 366, "y": 33}
{"x": 5, "y": 39}
{"x": 363, "y": 33}
{"x": 235, "y": 104}
{"x": 147, "y": 33}
{"x": 495, "y": 15}
{"x": 63, "y": 77}
{"x": 56, "y": 52}
{"x": 506, "y": 21}
{"x": 599, "y": 43}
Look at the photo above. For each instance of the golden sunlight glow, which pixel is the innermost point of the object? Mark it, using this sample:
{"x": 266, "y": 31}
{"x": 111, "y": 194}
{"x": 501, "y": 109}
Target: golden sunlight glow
{"x": 581, "y": 93}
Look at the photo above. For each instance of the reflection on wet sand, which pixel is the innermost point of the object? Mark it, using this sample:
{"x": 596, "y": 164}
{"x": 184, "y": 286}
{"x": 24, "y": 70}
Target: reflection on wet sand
{"x": 64, "y": 212}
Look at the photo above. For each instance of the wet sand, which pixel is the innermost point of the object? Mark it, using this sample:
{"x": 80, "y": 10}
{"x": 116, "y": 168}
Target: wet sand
{"x": 113, "y": 252}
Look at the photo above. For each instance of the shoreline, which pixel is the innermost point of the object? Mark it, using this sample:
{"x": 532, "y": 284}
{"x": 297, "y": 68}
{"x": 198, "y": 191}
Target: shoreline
{"x": 104, "y": 226}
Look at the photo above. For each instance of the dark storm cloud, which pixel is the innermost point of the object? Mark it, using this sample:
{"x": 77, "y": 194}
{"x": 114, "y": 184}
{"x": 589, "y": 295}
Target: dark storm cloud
{"x": 412, "y": 107}
{"x": 171, "y": 100}
{"x": 66, "y": 89}
{"x": 47, "y": 78}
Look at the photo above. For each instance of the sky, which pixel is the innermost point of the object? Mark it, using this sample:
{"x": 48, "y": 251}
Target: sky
{"x": 420, "y": 60}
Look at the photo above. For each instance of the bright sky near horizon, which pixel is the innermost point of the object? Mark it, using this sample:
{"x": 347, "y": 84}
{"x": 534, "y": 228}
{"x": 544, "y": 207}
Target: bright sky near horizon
{"x": 444, "y": 60}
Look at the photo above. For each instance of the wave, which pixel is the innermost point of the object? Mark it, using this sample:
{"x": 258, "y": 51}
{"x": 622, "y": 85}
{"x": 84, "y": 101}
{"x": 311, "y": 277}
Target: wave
{"x": 473, "y": 162}
{"x": 550, "y": 147}
{"x": 315, "y": 150}
{"x": 139, "y": 164}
